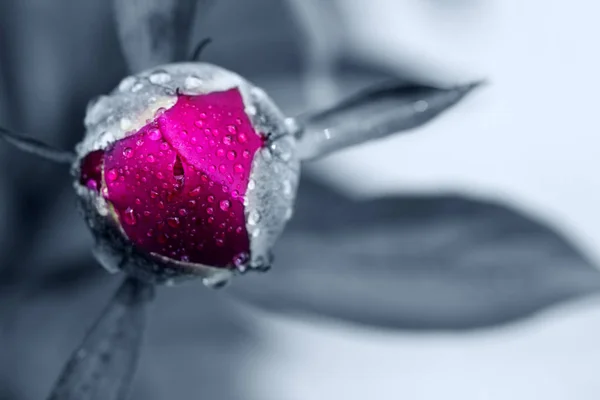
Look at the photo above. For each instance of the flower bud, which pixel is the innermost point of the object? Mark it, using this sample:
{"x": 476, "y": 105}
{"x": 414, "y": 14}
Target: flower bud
{"x": 187, "y": 169}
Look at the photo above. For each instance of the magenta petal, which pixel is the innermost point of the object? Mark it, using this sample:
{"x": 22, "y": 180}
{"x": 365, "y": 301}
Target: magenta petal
{"x": 178, "y": 184}
{"x": 91, "y": 170}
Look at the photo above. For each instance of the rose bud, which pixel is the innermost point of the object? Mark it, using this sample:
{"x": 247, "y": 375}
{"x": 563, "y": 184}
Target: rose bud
{"x": 189, "y": 170}
{"x": 186, "y": 170}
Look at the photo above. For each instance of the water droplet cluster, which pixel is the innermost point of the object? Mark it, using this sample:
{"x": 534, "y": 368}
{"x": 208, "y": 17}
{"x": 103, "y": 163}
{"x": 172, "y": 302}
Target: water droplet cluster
{"x": 178, "y": 184}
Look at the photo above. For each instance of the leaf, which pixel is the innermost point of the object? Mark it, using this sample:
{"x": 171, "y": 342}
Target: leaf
{"x": 33, "y": 146}
{"x": 420, "y": 262}
{"x": 155, "y": 32}
{"x": 373, "y": 114}
{"x": 103, "y": 366}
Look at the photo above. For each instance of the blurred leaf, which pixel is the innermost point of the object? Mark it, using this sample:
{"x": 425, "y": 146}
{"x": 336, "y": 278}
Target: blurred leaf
{"x": 374, "y": 113}
{"x": 419, "y": 262}
{"x": 103, "y": 366}
{"x": 155, "y": 32}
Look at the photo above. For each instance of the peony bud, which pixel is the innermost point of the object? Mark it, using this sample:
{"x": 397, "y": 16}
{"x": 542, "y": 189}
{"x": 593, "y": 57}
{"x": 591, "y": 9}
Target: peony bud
{"x": 187, "y": 169}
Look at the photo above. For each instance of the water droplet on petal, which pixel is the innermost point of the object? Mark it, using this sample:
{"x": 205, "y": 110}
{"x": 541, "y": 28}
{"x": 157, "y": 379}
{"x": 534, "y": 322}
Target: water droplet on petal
{"x": 242, "y": 138}
{"x": 251, "y": 184}
{"x": 246, "y": 154}
{"x": 225, "y": 204}
{"x": 199, "y": 123}
{"x": 238, "y": 168}
{"x": 195, "y": 192}
{"x": 227, "y": 140}
{"x": 210, "y": 198}
{"x": 173, "y": 222}
{"x": 231, "y": 155}
{"x": 220, "y": 153}
{"x": 129, "y": 216}
{"x": 128, "y": 152}
{"x": 112, "y": 175}
{"x": 222, "y": 168}
{"x": 150, "y": 158}
{"x": 154, "y": 134}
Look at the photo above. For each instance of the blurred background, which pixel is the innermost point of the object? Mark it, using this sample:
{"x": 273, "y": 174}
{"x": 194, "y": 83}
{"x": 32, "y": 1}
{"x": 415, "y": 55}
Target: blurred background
{"x": 527, "y": 140}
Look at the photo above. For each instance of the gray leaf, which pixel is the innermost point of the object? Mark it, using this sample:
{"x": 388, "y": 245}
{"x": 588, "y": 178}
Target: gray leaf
{"x": 102, "y": 367}
{"x": 443, "y": 262}
{"x": 34, "y": 146}
{"x": 374, "y": 114}
{"x": 155, "y": 32}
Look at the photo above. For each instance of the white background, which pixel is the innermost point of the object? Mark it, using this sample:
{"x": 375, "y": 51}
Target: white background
{"x": 530, "y": 138}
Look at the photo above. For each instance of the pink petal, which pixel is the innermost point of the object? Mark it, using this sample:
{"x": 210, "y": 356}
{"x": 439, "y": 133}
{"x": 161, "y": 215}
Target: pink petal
{"x": 178, "y": 183}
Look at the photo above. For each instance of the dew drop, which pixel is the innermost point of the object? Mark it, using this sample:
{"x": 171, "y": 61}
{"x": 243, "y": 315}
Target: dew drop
{"x": 173, "y": 222}
{"x": 241, "y": 259}
{"x": 183, "y": 212}
{"x": 222, "y": 168}
{"x": 210, "y": 199}
{"x": 251, "y": 184}
{"x": 139, "y": 143}
{"x": 242, "y": 138}
{"x": 220, "y": 242}
{"x": 125, "y": 123}
{"x": 159, "y": 77}
{"x": 150, "y": 233}
{"x": 137, "y": 87}
{"x": 112, "y": 175}
{"x": 192, "y": 82}
{"x": 129, "y": 216}
{"x": 150, "y": 158}
{"x": 154, "y": 134}
{"x": 153, "y": 194}
{"x": 195, "y": 192}
{"x": 239, "y": 230}
{"x": 160, "y": 175}
{"x": 225, "y": 204}
{"x": 227, "y": 140}
{"x": 238, "y": 168}
{"x": 220, "y": 153}
{"x": 199, "y": 123}
{"x": 246, "y": 154}
{"x": 127, "y": 83}
{"x": 160, "y": 111}
{"x": 231, "y": 155}
{"x": 287, "y": 188}
{"x": 210, "y": 210}
{"x": 128, "y": 152}
{"x": 162, "y": 238}
{"x": 253, "y": 217}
